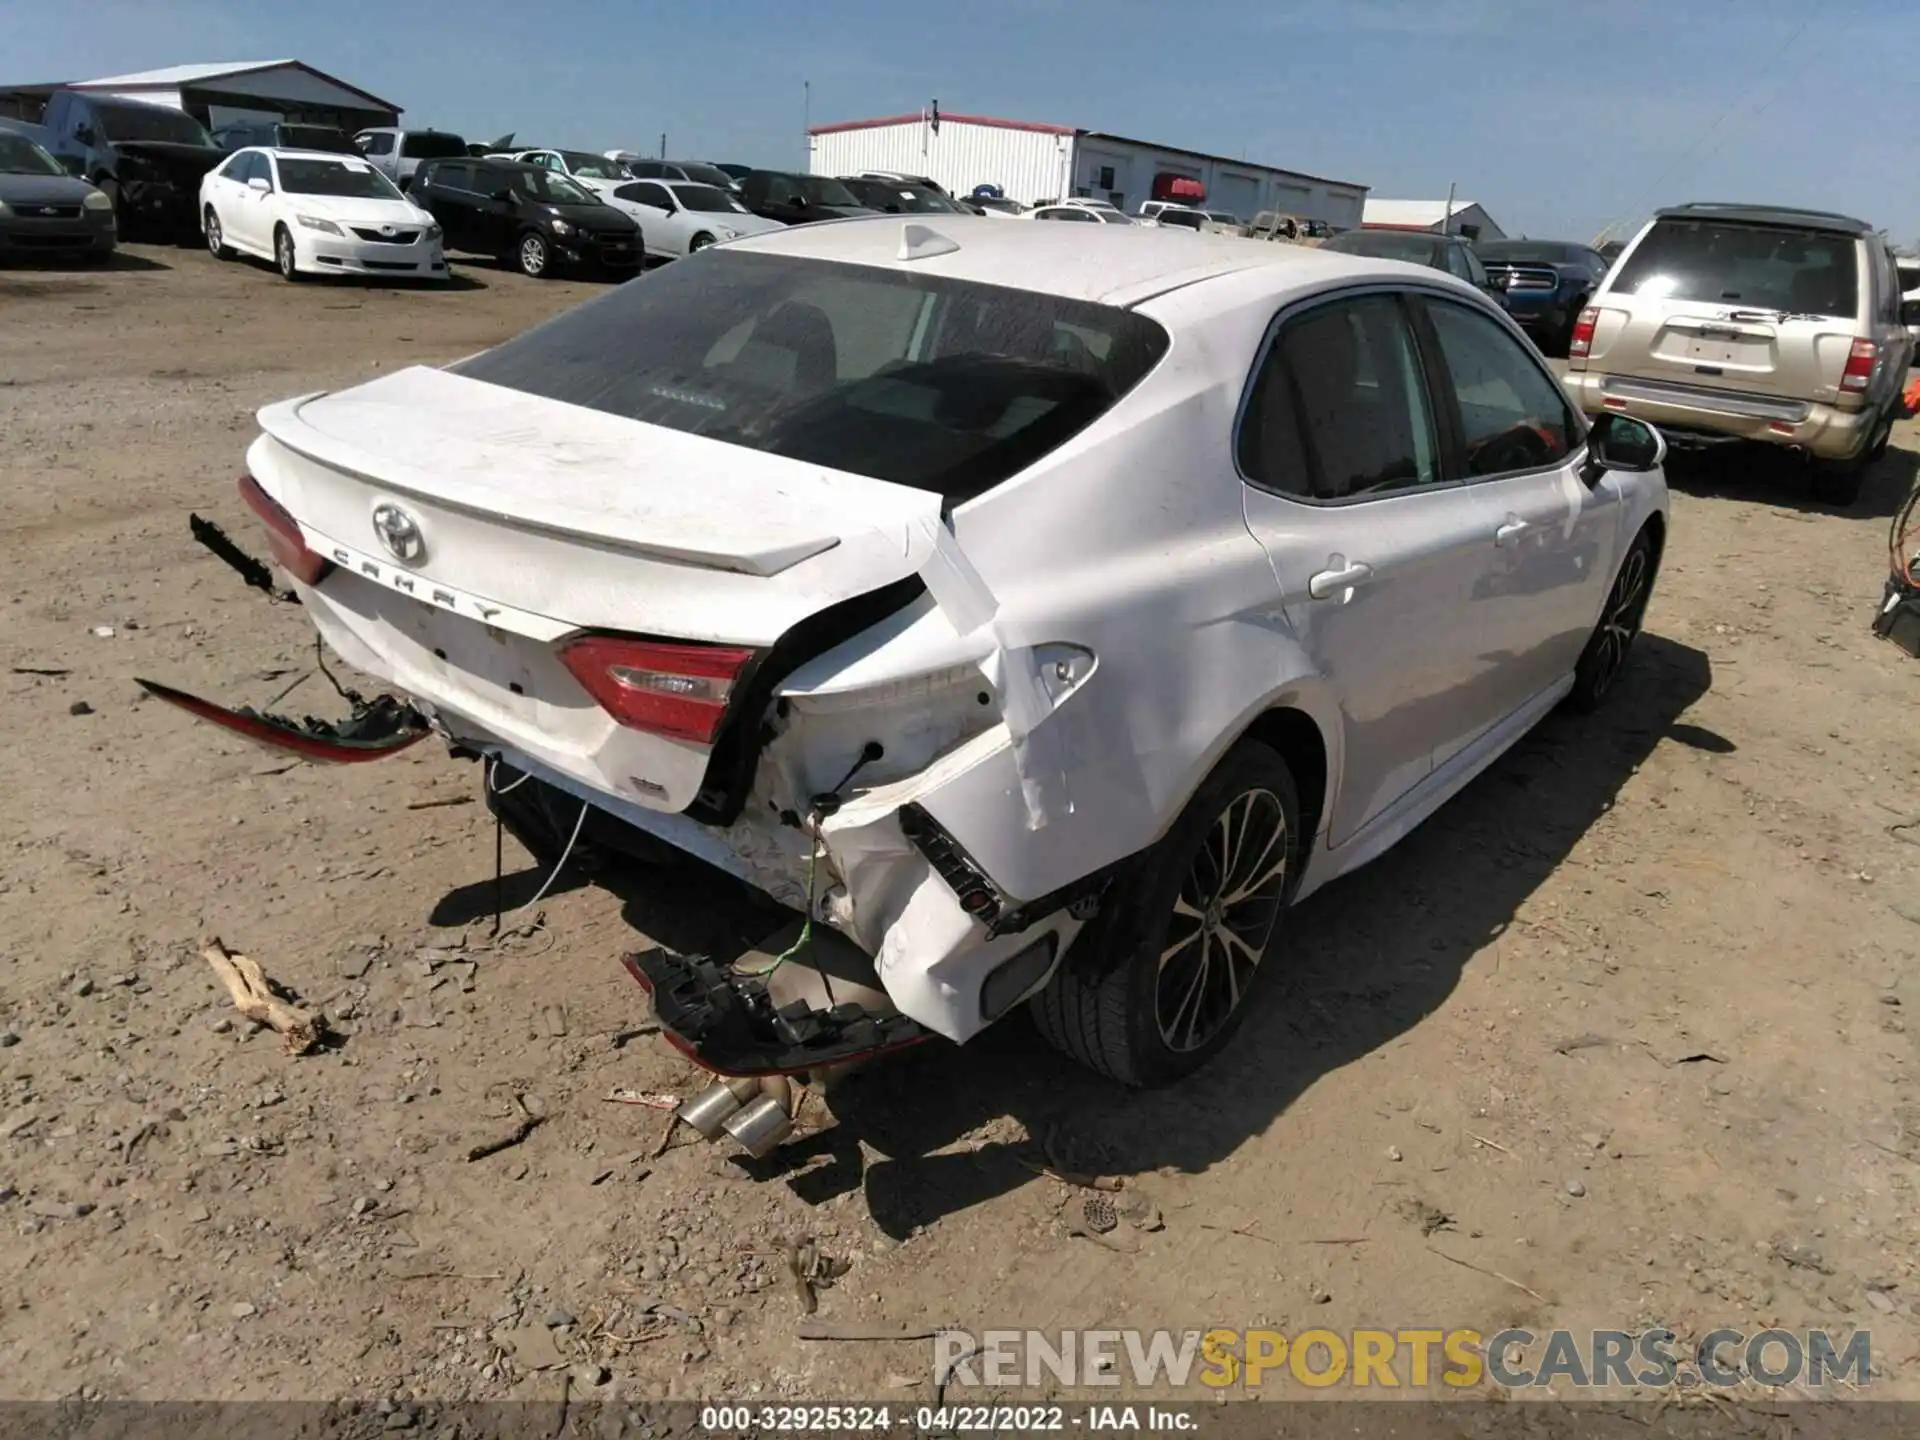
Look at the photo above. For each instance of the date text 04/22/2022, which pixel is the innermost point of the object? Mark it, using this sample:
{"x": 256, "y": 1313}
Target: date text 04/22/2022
{"x": 941, "y": 1419}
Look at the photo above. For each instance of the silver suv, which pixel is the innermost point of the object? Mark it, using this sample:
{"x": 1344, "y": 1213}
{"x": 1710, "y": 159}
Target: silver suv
{"x": 1744, "y": 322}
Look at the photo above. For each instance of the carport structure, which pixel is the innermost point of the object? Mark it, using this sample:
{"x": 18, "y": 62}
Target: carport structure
{"x": 215, "y": 94}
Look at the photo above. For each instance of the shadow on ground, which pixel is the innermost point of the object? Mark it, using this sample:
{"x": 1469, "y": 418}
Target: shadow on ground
{"x": 1768, "y": 475}
{"x": 1356, "y": 966}
{"x": 1360, "y": 964}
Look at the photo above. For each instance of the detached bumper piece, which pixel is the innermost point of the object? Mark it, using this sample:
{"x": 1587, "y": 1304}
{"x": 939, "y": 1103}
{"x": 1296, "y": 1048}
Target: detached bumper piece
{"x": 382, "y": 726}
{"x": 728, "y": 1023}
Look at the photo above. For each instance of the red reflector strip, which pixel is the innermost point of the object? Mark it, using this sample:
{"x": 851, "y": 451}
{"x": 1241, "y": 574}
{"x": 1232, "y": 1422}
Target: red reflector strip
{"x": 284, "y": 539}
{"x": 1781, "y": 427}
{"x": 273, "y": 735}
{"x": 665, "y": 688}
{"x": 1613, "y": 403}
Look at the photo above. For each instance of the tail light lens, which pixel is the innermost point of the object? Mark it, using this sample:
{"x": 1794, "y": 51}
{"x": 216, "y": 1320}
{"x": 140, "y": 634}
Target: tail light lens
{"x": 1859, "y": 369}
{"x": 1582, "y": 340}
{"x": 680, "y": 691}
{"x": 284, "y": 540}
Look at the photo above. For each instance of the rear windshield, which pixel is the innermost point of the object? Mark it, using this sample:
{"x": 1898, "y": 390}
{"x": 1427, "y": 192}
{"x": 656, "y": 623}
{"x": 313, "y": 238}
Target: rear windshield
{"x": 1387, "y": 245}
{"x": 150, "y": 122}
{"x": 431, "y": 145}
{"x": 1797, "y": 272}
{"x": 1538, "y": 252}
{"x": 945, "y": 385}
{"x": 316, "y": 137}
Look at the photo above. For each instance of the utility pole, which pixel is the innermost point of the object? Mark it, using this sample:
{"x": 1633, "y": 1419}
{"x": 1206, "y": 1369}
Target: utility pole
{"x": 1446, "y": 223}
{"x": 663, "y": 144}
{"x": 806, "y": 118}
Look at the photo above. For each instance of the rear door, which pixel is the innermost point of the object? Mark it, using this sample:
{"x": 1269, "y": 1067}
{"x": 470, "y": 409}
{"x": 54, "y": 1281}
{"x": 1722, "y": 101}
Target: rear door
{"x": 1376, "y": 553}
{"x": 1727, "y": 305}
{"x": 1549, "y": 542}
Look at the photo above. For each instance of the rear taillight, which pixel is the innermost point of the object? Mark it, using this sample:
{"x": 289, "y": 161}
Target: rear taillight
{"x": 1859, "y": 369}
{"x": 676, "y": 690}
{"x": 1582, "y": 340}
{"x": 284, "y": 539}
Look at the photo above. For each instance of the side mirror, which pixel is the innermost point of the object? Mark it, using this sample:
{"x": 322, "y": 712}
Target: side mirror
{"x": 74, "y": 166}
{"x": 503, "y": 196}
{"x": 259, "y": 184}
{"x": 1910, "y": 312}
{"x": 1619, "y": 442}
{"x": 83, "y": 133}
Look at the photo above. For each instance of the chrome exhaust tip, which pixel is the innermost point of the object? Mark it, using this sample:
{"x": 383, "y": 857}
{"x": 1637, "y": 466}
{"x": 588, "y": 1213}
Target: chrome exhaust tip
{"x": 709, "y": 1111}
{"x": 760, "y": 1126}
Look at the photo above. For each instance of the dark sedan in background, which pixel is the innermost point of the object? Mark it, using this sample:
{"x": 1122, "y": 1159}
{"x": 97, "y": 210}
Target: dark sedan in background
{"x": 44, "y": 211}
{"x": 1451, "y": 253}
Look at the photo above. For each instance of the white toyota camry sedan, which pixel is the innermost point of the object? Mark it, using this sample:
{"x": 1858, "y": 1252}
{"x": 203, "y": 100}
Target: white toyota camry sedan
{"x": 315, "y": 213}
{"x": 1039, "y": 611}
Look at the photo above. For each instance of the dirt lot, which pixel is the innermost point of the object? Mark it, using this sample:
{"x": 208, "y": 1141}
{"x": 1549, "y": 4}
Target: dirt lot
{"x": 1624, "y": 1027}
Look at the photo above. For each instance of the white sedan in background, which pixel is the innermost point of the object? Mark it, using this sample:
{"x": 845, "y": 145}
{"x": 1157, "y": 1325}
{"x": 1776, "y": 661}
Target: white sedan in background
{"x": 678, "y": 217}
{"x": 594, "y": 173}
{"x": 316, "y": 213}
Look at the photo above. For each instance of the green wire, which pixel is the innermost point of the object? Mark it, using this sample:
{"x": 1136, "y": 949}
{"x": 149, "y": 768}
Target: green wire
{"x": 806, "y": 927}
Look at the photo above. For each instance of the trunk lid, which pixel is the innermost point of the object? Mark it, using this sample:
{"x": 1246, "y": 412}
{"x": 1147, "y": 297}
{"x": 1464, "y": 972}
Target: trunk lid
{"x": 476, "y": 527}
{"x": 586, "y": 519}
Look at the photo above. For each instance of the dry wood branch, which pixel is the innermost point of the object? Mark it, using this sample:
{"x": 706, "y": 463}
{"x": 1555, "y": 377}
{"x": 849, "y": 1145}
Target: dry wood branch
{"x": 254, "y": 997}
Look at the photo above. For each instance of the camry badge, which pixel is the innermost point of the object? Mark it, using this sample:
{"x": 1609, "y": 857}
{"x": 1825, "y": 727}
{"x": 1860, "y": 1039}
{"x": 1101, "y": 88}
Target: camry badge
{"x": 399, "y": 532}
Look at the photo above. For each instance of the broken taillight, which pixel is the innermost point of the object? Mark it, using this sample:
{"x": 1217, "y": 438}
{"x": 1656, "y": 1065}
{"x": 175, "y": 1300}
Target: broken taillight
{"x": 284, "y": 539}
{"x": 673, "y": 689}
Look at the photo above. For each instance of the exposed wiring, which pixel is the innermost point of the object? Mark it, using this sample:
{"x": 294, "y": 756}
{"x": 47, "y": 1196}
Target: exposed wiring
{"x": 558, "y": 865}
{"x": 806, "y": 925}
{"x": 493, "y": 769}
{"x": 1902, "y": 539}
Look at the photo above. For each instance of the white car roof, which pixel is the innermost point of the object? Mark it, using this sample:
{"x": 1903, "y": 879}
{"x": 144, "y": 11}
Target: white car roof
{"x": 357, "y": 160}
{"x": 1111, "y": 264}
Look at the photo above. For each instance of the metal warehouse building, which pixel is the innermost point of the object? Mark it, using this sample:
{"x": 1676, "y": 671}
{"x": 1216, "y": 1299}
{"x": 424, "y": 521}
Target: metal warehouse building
{"x": 1031, "y": 161}
{"x": 214, "y": 94}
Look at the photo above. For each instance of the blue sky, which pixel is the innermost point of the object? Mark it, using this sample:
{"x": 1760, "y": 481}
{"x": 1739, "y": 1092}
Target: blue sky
{"x": 1558, "y": 115}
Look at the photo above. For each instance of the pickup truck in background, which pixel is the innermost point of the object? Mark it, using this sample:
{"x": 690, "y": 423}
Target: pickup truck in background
{"x": 149, "y": 159}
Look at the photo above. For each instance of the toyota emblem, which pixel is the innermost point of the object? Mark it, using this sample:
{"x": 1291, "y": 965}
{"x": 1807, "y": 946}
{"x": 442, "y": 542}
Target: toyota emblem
{"x": 399, "y": 532}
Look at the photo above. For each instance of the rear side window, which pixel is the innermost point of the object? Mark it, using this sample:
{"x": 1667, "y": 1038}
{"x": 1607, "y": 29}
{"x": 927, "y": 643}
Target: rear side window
{"x": 1765, "y": 267}
{"x": 945, "y": 385}
{"x": 1339, "y": 408}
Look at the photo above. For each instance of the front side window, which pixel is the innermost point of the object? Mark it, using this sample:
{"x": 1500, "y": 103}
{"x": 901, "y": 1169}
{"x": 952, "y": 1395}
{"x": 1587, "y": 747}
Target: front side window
{"x": 946, "y": 385}
{"x": 377, "y": 144}
{"x": 236, "y": 168}
{"x": 1339, "y": 409}
{"x": 1513, "y": 415}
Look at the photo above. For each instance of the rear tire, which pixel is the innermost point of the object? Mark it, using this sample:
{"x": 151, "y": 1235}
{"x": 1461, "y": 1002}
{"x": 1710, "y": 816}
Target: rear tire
{"x": 1160, "y": 980}
{"x": 1601, "y": 663}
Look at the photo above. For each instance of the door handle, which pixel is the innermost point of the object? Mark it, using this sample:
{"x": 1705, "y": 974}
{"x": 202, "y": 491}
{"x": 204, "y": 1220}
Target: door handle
{"x": 1338, "y": 578}
{"x": 1511, "y": 531}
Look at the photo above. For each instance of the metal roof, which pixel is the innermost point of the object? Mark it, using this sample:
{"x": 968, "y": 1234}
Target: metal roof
{"x": 1420, "y": 213}
{"x": 1043, "y": 127}
{"x": 175, "y": 76}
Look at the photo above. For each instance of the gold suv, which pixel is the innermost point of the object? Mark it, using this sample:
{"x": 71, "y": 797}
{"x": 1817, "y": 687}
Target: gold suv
{"x": 1750, "y": 322}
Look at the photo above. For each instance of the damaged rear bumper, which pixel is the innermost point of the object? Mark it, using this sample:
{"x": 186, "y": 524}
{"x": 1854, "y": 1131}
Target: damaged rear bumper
{"x": 731, "y": 1023}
